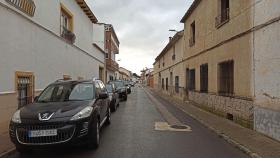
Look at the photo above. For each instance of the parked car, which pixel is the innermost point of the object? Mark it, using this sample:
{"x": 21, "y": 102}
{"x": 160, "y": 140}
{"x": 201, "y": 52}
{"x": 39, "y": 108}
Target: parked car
{"x": 127, "y": 84}
{"x": 113, "y": 96}
{"x": 132, "y": 83}
{"x": 66, "y": 112}
{"x": 121, "y": 88}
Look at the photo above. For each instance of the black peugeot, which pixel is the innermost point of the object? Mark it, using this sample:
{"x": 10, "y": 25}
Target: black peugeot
{"x": 66, "y": 112}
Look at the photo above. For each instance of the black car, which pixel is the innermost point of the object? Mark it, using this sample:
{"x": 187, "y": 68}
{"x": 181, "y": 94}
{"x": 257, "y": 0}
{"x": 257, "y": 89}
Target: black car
{"x": 66, "y": 112}
{"x": 121, "y": 88}
{"x": 113, "y": 96}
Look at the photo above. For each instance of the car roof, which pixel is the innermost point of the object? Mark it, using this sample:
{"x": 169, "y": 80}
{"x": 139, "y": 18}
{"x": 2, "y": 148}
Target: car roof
{"x": 74, "y": 81}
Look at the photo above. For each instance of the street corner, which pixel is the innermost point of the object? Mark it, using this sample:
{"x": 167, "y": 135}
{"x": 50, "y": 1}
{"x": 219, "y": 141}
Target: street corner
{"x": 164, "y": 126}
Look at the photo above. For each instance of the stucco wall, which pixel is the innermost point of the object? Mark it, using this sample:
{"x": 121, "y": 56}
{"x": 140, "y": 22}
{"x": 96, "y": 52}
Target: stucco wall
{"x": 99, "y": 35}
{"x": 41, "y": 52}
{"x": 267, "y": 73}
{"x": 208, "y": 36}
{"x": 47, "y": 14}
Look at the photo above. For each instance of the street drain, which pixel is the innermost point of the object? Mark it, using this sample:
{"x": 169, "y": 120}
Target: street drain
{"x": 164, "y": 126}
{"x": 178, "y": 127}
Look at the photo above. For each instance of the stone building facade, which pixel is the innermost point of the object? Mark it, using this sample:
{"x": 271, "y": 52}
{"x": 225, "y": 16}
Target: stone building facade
{"x": 230, "y": 61}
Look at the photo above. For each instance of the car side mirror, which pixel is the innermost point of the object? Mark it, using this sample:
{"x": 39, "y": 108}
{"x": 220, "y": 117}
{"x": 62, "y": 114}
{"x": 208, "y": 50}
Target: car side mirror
{"x": 36, "y": 98}
{"x": 103, "y": 95}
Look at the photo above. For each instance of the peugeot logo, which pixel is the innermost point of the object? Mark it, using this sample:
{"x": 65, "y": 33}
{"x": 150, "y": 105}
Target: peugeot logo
{"x": 45, "y": 116}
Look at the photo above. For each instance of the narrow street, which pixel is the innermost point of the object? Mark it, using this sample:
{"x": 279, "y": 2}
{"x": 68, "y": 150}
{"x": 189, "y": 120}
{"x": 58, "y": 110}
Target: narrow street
{"x": 132, "y": 134}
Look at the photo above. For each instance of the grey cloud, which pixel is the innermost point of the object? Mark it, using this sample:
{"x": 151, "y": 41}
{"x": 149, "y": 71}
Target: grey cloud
{"x": 141, "y": 25}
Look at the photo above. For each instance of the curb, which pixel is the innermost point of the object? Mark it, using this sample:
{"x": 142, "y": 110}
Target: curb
{"x": 241, "y": 147}
{"x": 8, "y": 153}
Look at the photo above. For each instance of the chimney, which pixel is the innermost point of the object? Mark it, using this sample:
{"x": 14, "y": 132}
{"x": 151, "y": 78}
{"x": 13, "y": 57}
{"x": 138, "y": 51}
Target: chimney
{"x": 170, "y": 38}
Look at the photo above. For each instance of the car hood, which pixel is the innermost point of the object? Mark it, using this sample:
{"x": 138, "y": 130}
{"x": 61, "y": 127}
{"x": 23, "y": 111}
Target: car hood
{"x": 58, "y": 109}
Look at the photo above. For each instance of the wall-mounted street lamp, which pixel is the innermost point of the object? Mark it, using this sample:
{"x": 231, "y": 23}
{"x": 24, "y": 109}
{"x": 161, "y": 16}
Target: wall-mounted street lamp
{"x": 173, "y": 30}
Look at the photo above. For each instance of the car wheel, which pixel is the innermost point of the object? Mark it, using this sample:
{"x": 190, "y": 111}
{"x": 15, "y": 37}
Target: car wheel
{"x": 108, "y": 120}
{"x": 114, "y": 106}
{"x": 94, "y": 136}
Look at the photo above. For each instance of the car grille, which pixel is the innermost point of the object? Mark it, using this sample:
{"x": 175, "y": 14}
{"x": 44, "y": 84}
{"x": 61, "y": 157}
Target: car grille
{"x": 64, "y": 134}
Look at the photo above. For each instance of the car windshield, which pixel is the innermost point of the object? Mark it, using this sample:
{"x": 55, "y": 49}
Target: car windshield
{"x": 109, "y": 88}
{"x": 67, "y": 92}
{"x": 119, "y": 84}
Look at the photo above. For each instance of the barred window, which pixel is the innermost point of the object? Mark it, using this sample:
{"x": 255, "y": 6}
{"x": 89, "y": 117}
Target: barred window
{"x": 226, "y": 78}
{"x": 192, "y": 79}
{"x": 204, "y": 78}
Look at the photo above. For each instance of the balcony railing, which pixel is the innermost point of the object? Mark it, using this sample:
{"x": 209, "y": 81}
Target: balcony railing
{"x": 112, "y": 65}
{"x": 26, "y": 6}
{"x": 222, "y": 18}
{"x": 68, "y": 35}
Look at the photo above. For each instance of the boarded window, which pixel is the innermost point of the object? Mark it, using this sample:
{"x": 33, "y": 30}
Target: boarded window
{"x": 177, "y": 84}
{"x": 192, "y": 79}
{"x": 226, "y": 78}
{"x": 204, "y": 78}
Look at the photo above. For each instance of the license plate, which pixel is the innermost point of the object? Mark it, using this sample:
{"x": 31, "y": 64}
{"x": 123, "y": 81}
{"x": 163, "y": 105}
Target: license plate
{"x": 42, "y": 133}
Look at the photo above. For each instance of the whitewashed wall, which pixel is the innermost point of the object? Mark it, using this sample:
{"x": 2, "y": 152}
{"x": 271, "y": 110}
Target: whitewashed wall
{"x": 99, "y": 35}
{"x": 47, "y": 14}
{"x": 27, "y": 47}
{"x": 267, "y": 68}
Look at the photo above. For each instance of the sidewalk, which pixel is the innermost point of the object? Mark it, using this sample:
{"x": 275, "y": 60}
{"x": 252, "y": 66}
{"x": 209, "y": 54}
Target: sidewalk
{"x": 251, "y": 142}
{"x": 6, "y": 146}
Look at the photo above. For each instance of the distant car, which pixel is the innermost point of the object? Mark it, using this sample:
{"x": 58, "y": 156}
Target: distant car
{"x": 113, "y": 96}
{"x": 66, "y": 112}
{"x": 132, "y": 83}
{"x": 121, "y": 88}
{"x": 127, "y": 84}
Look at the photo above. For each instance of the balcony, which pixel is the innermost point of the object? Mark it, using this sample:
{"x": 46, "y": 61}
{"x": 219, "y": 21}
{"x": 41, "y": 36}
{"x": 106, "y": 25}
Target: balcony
{"x": 222, "y": 18}
{"x": 112, "y": 65}
{"x": 68, "y": 35}
{"x": 26, "y": 6}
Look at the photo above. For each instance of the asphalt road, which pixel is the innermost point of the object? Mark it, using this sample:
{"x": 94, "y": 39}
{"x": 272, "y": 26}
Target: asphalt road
{"x": 132, "y": 134}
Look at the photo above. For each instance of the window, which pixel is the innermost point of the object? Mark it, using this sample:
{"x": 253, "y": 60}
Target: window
{"x": 101, "y": 73}
{"x": 223, "y": 13}
{"x": 173, "y": 56}
{"x": 177, "y": 84}
{"x": 25, "y": 87}
{"x": 192, "y": 79}
{"x": 66, "y": 25}
{"x": 204, "y": 78}
{"x": 162, "y": 83}
{"x": 166, "y": 84}
{"x": 171, "y": 78}
{"x": 226, "y": 78}
{"x": 192, "y": 35}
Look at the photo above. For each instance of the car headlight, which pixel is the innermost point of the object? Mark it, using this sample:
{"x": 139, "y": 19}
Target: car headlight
{"x": 86, "y": 112}
{"x": 16, "y": 117}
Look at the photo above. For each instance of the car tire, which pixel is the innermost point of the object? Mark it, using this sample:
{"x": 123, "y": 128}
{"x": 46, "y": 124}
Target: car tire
{"x": 108, "y": 119}
{"x": 114, "y": 106}
{"x": 94, "y": 135}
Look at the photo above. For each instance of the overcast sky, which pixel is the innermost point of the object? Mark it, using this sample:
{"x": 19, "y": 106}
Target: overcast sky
{"x": 141, "y": 26}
